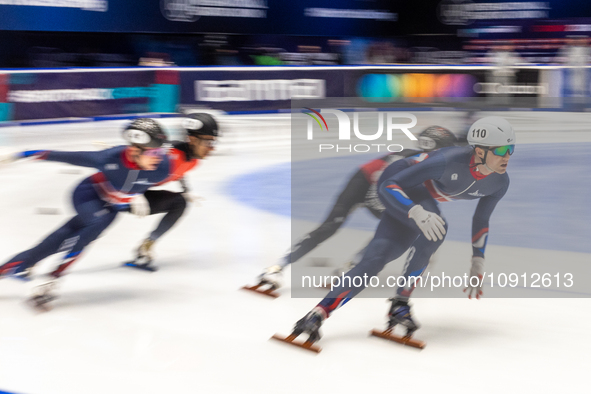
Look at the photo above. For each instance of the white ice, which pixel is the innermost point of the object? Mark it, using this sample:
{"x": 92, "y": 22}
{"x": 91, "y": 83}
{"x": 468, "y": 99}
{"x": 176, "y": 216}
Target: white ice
{"x": 188, "y": 329}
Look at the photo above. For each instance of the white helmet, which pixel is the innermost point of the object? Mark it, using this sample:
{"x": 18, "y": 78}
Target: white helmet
{"x": 491, "y": 131}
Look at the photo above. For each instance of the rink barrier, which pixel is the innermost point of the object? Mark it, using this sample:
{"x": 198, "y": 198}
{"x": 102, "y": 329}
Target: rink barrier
{"x": 96, "y": 93}
{"x": 47, "y": 122}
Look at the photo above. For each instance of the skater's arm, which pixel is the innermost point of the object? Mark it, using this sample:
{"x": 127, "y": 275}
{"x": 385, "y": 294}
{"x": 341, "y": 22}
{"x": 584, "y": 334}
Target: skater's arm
{"x": 7, "y": 158}
{"x": 480, "y": 220}
{"x": 392, "y": 190}
{"x": 81, "y": 158}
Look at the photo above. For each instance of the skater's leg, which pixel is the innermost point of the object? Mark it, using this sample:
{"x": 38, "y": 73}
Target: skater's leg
{"x": 43, "y": 289}
{"x": 162, "y": 201}
{"x": 351, "y": 263}
{"x": 391, "y": 240}
{"x": 60, "y": 239}
{"x": 417, "y": 261}
{"x": 95, "y": 219}
{"x": 419, "y": 255}
{"x": 394, "y": 235}
{"x": 352, "y": 195}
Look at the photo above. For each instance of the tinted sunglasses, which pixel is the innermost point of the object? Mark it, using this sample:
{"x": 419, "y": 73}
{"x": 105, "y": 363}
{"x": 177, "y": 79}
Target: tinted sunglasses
{"x": 208, "y": 143}
{"x": 502, "y": 150}
{"x": 154, "y": 152}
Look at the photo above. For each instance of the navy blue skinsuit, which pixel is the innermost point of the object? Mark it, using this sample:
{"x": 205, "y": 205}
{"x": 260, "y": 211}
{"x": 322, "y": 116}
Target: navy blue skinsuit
{"x": 444, "y": 175}
{"x": 361, "y": 190}
{"x": 97, "y": 200}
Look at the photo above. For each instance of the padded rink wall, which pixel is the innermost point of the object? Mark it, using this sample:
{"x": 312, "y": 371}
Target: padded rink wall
{"x": 40, "y": 94}
{"x": 92, "y": 105}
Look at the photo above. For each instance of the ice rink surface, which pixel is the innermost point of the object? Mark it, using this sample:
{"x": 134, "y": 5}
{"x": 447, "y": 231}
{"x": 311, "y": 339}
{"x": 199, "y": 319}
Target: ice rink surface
{"x": 187, "y": 328}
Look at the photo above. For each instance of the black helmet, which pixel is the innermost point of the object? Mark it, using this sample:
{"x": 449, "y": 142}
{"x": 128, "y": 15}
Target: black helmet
{"x": 144, "y": 133}
{"x": 435, "y": 137}
{"x": 200, "y": 124}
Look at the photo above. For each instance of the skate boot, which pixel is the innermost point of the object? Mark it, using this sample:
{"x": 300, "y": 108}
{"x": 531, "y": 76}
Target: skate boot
{"x": 144, "y": 252}
{"x": 310, "y": 324}
{"x": 400, "y": 314}
{"x": 143, "y": 259}
{"x": 268, "y": 282}
{"x": 42, "y": 292}
{"x": 272, "y": 276}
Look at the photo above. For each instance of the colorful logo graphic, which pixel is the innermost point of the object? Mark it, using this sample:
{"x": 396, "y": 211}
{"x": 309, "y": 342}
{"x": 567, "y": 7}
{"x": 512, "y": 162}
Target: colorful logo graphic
{"x": 316, "y": 119}
{"x": 384, "y": 87}
{"x": 386, "y": 123}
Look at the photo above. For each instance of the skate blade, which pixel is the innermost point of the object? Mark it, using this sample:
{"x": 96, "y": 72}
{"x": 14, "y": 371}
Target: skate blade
{"x": 303, "y": 345}
{"x": 408, "y": 341}
{"x": 143, "y": 267}
{"x": 40, "y": 307}
{"x": 269, "y": 292}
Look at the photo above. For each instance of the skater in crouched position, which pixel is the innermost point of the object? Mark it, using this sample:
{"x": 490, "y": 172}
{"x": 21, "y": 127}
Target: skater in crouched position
{"x": 124, "y": 173}
{"x": 360, "y": 191}
{"x": 202, "y": 132}
{"x": 410, "y": 191}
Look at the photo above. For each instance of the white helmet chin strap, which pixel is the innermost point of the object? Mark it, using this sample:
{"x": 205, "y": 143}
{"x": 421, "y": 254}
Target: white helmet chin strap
{"x": 488, "y": 168}
{"x": 483, "y": 160}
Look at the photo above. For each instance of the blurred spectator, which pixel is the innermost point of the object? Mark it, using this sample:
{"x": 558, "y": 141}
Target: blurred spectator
{"x": 156, "y": 59}
{"x": 227, "y": 57}
{"x": 381, "y": 52}
{"x": 575, "y": 55}
{"x": 504, "y": 59}
{"x": 267, "y": 56}
{"x": 44, "y": 57}
{"x": 338, "y": 47}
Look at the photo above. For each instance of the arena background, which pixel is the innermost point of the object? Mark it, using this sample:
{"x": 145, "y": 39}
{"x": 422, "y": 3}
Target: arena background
{"x": 75, "y": 72}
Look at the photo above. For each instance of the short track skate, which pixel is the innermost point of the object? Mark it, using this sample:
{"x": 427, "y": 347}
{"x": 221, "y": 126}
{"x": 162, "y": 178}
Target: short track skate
{"x": 42, "y": 294}
{"x": 291, "y": 341}
{"x": 144, "y": 258}
{"x": 41, "y": 303}
{"x": 262, "y": 288}
{"x": 309, "y": 324}
{"x": 148, "y": 267}
{"x": 403, "y": 340}
{"x": 400, "y": 315}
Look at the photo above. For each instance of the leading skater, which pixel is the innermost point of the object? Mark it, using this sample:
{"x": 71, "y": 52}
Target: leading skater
{"x": 124, "y": 173}
{"x": 360, "y": 191}
{"x": 410, "y": 192}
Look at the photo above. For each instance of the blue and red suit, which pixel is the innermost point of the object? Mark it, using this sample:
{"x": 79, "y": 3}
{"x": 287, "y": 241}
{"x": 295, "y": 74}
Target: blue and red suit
{"x": 97, "y": 200}
{"x": 444, "y": 175}
{"x": 360, "y": 191}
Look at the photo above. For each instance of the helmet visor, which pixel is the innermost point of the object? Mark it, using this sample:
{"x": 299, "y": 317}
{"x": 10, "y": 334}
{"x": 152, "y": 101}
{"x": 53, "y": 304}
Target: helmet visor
{"x": 210, "y": 143}
{"x": 502, "y": 150}
{"x": 154, "y": 152}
